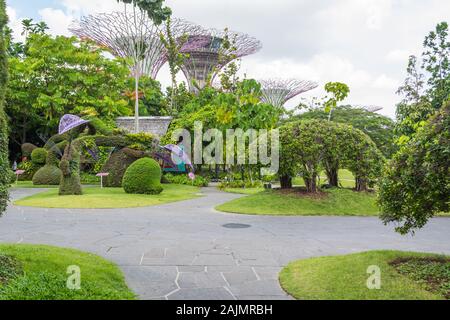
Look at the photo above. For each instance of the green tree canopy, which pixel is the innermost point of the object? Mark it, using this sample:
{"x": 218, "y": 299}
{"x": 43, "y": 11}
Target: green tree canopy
{"x": 57, "y": 76}
{"x": 154, "y": 8}
{"x": 416, "y": 182}
{"x": 378, "y": 127}
{"x": 310, "y": 146}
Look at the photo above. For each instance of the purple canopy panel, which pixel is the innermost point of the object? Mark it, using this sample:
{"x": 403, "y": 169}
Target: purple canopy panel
{"x": 69, "y": 121}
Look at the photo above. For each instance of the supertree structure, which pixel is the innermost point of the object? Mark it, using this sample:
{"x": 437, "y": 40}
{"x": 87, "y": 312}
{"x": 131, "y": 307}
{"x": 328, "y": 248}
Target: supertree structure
{"x": 133, "y": 36}
{"x": 209, "y": 52}
{"x": 279, "y": 91}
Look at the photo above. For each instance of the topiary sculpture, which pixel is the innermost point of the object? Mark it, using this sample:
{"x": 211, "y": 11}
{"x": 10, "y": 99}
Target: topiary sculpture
{"x": 50, "y": 174}
{"x": 143, "y": 177}
{"x": 118, "y": 164}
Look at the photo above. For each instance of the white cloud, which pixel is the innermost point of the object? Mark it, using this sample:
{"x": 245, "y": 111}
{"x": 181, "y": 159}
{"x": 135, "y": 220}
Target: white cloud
{"x": 57, "y": 20}
{"x": 15, "y": 23}
{"x": 385, "y": 82}
{"x": 398, "y": 55}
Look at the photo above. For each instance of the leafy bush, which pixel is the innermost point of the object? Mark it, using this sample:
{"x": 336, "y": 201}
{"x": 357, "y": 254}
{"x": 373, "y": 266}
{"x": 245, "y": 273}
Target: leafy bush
{"x": 87, "y": 178}
{"x": 30, "y": 169}
{"x": 240, "y": 184}
{"x": 184, "y": 179}
{"x": 39, "y": 156}
{"x": 143, "y": 177}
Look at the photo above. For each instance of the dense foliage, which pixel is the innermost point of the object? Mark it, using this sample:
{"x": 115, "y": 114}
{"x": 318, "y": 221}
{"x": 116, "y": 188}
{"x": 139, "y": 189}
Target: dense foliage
{"x": 117, "y": 164}
{"x": 57, "y": 76}
{"x": 378, "y": 127}
{"x": 199, "y": 181}
{"x": 143, "y": 177}
{"x": 308, "y": 147}
{"x": 427, "y": 86}
{"x": 154, "y": 9}
{"x": 4, "y": 163}
{"x": 416, "y": 183}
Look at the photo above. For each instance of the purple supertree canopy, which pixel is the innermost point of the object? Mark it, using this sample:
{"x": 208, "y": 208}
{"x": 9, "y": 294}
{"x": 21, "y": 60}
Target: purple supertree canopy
{"x": 278, "y": 91}
{"x": 207, "y": 54}
{"x": 133, "y": 36}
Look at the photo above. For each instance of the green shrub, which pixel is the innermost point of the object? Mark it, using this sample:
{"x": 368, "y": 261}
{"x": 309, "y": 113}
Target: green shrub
{"x": 143, "y": 177}
{"x": 30, "y": 169}
{"x": 240, "y": 184}
{"x": 184, "y": 179}
{"x": 87, "y": 178}
{"x": 39, "y": 156}
{"x": 47, "y": 175}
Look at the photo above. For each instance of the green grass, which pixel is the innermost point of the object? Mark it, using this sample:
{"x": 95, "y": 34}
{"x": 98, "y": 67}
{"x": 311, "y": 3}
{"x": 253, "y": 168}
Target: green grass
{"x": 346, "y": 179}
{"x": 337, "y": 202}
{"x": 345, "y": 278}
{"x": 42, "y": 275}
{"x": 107, "y": 198}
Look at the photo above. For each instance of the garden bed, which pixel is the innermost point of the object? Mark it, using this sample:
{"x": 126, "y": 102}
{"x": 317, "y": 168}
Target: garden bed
{"x": 404, "y": 276}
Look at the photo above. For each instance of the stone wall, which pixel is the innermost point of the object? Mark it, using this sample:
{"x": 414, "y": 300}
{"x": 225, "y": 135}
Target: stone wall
{"x": 154, "y": 125}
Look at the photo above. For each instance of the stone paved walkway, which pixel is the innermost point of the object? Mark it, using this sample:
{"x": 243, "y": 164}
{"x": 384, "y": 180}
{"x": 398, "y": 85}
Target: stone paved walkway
{"x": 183, "y": 251}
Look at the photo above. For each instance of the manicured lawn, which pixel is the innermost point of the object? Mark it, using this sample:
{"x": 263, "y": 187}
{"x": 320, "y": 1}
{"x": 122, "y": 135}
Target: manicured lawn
{"x": 332, "y": 202}
{"x": 345, "y": 277}
{"x": 40, "y": 273}
{"x": 96, "y": 198}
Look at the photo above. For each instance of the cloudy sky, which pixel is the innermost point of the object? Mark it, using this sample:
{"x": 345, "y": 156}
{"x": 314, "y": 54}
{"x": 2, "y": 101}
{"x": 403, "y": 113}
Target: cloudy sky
{"x": 364, "y": 43}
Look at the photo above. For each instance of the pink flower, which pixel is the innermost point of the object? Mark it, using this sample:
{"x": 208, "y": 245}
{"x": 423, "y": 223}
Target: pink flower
{"x": 191, "y": 176}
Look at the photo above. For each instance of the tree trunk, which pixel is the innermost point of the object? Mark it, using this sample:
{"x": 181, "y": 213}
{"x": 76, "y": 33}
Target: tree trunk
{"x": 361, "y": 184}
{"x": 333, "y": 177}
{"x": 286, "y": 182}
{"x": 311, "y": 184}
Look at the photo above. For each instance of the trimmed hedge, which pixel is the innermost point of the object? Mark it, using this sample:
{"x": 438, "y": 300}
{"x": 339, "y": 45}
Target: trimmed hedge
{"x": 39, "y": 156}
{"x": 143, "y": 177}
{"x": 4, "y": 162}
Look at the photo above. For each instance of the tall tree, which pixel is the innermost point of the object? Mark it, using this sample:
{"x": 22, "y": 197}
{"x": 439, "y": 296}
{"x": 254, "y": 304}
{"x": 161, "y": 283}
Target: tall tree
{"x": 4, "y": 163}
{"x": 58, "y": 76}
{"x": 425, "y": 90}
